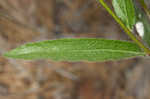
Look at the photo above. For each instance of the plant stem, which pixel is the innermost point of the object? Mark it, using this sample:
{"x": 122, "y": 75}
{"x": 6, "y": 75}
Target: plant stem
{"x": 142, "y": 2}
{"x": 127, "y": 31}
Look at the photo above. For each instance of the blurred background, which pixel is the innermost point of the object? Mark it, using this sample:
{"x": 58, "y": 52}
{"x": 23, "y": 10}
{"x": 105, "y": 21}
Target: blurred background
{"x": 24, "y": 21}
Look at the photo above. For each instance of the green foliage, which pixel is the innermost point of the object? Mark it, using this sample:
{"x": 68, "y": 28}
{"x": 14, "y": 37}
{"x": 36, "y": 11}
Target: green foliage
{"x": 77, "y": 50}
{"x": 146, "y": 37}
{"x": 145, "y": 20}
{"x": 127, "y": 30}
{"x": 90, "y": 49}
{"x": 125, "y": 10}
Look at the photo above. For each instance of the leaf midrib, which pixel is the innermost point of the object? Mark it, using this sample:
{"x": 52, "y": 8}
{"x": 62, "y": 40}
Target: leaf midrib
{"x": 103, "y": 50}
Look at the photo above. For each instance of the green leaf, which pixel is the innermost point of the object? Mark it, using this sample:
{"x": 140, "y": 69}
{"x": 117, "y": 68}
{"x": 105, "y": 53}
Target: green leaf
{"x": 146, "y": 24}
{"x": 88, "y": 49}
{"x": 125, "y": 10}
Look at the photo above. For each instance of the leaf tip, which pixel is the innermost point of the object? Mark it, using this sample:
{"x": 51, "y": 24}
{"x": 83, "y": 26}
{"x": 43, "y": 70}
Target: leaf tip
{"x": 8, "y": 54}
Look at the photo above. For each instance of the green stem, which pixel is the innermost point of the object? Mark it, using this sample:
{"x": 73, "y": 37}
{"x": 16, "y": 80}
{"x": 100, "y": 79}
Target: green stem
{"x": 127, "y": 31}
{"x": 142, "y": 2}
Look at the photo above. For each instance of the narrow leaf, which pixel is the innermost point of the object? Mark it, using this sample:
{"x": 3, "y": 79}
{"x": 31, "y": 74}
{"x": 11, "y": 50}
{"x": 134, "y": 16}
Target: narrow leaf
{"x": 125, "y": 10}
{"x": 88, "y": 49}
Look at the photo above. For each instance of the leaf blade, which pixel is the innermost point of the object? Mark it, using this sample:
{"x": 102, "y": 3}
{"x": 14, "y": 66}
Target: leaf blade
{"x": 88, "y": 49}
{"x": 125, "y": 10}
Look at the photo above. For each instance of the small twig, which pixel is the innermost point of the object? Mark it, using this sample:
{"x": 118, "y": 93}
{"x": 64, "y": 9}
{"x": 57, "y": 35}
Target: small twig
{"x": 127, "y": 31}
